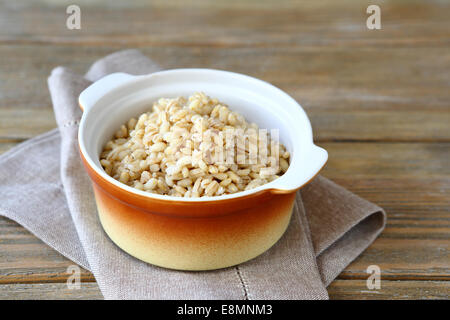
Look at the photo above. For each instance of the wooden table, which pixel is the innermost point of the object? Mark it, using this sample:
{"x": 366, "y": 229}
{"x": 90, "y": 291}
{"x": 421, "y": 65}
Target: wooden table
{"x": 379, "y": 101}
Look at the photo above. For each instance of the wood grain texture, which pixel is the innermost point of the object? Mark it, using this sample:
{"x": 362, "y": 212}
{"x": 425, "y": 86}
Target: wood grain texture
{"x": 226, "y": 23}
{"x": 26, "y": 259}
{"x": 338, "y": 290}
{"x": 414, "y": 246}
{"x": 355, "y": 84}
{"x": 340, "y": 106}
{"x": 390, "y": 290}
{"x": 379, "y": 102}
{"x": 49, "y": 291}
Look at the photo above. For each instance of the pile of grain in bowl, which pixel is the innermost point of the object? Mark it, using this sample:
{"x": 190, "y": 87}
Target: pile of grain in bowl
{"x": 178, "y": 149}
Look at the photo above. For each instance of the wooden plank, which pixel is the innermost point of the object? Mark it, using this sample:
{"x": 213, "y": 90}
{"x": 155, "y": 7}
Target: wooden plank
{"x": 338, "y": 290}
{"x": 412, "y": 183}
{"x": 26, "y": 259}
{"x": 409, "y": 180}
{"x": 19, "y": 123}
{"x": 414, "y": 246}
{"x": 49, "y": 291}
{"x": 408, "y": 259}
{"x": 354, "y": 95}
{"x": 398, "y": 290}
{"x": 227, "y": 23}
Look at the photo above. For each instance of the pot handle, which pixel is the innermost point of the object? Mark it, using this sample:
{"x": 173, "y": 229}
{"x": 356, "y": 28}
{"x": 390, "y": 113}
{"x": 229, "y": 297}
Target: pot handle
{"x": 297, "y": 177}
{"x": 98, "y": 89}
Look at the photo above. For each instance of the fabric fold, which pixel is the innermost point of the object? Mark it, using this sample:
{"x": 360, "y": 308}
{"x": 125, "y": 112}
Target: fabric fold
{"x": 43, "y": 186}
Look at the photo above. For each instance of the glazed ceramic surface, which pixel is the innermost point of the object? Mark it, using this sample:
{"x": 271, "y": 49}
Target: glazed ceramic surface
{"x": 195, "y": 233}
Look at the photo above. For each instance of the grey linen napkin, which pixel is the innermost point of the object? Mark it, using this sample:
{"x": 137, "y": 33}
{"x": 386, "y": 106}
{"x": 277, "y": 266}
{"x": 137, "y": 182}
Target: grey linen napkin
{"x": 44, "y": 187}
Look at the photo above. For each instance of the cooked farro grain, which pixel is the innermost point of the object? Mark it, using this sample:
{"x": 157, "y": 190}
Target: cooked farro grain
{"x": 193, "y": 147}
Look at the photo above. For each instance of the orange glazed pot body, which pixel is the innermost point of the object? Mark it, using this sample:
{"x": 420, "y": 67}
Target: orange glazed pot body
{"x": 192, "y": 235}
